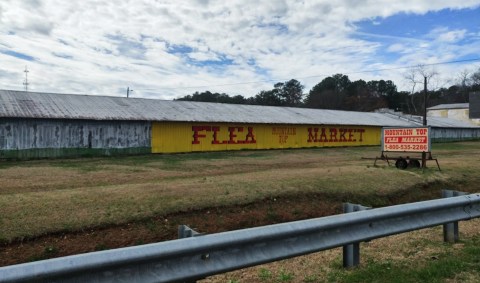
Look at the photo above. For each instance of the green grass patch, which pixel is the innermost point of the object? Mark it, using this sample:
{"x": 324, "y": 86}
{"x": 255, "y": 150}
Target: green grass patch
{"x": 446, "y": 265}
{"x": 265, "y": 275}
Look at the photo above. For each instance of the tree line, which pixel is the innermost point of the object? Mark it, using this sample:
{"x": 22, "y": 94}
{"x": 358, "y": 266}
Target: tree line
{"x": 340, "y": 93}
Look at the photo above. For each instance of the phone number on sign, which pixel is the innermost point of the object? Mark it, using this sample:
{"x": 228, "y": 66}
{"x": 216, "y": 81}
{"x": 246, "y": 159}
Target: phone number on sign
{"x": 407, "y": 147}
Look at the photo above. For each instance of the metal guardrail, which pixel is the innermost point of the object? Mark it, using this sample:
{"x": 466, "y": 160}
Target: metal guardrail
{"x": 198, "y": 257}
{"x": 450, "y": 230}
{"x": 351, "y": 252}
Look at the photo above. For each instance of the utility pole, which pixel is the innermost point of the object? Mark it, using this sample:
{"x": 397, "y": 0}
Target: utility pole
{"x": 25, "y": 83}
{"x": 424, "y": 154}
{"x": 128, "y": 91}
{"x": 425, "y": 101}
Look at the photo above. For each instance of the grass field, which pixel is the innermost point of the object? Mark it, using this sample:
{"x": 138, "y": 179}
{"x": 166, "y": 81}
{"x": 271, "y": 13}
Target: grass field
{"x": 70, "y": 195}
{"x": 419, "y": 256}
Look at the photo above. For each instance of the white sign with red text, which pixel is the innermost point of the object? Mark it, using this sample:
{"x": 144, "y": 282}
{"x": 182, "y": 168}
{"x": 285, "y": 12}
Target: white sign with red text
{"x": 406, "y": 139}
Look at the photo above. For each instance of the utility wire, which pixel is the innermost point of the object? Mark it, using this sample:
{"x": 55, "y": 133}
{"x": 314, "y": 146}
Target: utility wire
{"x": 322, "y": 75}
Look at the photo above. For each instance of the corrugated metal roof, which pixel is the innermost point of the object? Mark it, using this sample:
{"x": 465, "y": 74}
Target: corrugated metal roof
{"x": 67, "y": 106}
{"x": 449, "y": 106}
{"x": 437, "y": 122}
{"x": 442, "y": 122}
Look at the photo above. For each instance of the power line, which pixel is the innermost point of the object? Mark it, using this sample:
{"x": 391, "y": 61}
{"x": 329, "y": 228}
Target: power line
{"x": 321, "y": 75}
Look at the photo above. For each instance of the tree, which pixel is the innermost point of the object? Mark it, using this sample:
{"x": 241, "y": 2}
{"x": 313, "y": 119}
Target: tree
{"x": 208, "y": 96}
{"x": 363, "y": 96}
{"x": 464, "y": 80}
{"x": 338, "y": 92}
{"x": 290, "y": 93}
{"x": 330, "y": 93}
{"x": 475, "y": 79}
{"x": 268, "y": 97}
{"x": 416, "y": 76}
{"x": 386, "y": 94}
{"x": 238, "y": 99}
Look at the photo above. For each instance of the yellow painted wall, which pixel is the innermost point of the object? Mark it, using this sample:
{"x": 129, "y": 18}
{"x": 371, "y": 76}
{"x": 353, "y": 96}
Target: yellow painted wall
{"x": 187, "y": 137}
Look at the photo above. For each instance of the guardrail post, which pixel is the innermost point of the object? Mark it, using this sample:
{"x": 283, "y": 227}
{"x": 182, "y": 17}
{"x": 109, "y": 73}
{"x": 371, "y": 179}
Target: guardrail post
{"x": 351, "y": 252}
{"x": 450, "y": 230}
{"x": 186, "y": 232}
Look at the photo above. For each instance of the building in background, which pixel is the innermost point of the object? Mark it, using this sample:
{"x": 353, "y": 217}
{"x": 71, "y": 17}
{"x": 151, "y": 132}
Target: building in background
{"x": 467, "y": 112}
{"x": 45, "y": 125}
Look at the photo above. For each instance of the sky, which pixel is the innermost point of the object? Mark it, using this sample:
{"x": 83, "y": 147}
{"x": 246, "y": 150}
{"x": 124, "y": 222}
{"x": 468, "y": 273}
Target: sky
{"x": 172, "y": 48}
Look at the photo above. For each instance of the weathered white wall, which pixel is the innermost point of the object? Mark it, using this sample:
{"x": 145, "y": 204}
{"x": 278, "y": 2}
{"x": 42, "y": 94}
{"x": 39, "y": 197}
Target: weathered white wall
{"x": 457, "y": 114}
{"x": 454, "y": 134}
{"x": 17, "y": 134}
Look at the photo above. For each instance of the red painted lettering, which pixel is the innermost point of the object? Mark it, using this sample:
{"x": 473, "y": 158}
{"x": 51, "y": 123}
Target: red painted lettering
{"x": 232, "y": 135}
{"x": 342, "y": 135}
{"x": 250, "y": 138}
{"x": 323, "y": 136}
{"x": 361, "y": 131}
{"x": 215, "y": 131}
{"x": 333, "y": 135}
{"x": 350, "y": 135}
{"x": 421, "y": 132}
{"x": 196, "y": 135}
{"x": 311, "y": 137}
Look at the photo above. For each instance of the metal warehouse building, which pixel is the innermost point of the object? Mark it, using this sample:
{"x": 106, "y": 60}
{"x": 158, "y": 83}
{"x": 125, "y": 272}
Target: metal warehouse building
{"x": 40, "y": 125}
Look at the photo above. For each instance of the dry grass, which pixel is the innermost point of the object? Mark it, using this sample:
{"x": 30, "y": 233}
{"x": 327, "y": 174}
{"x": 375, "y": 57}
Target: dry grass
{"x": 39, "y": 197}
{"x": 412, "y": 250}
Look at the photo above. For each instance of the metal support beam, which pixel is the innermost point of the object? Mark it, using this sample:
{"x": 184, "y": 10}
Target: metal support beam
{"x": 351, "y": 252}
{"x": 450, "y": 230}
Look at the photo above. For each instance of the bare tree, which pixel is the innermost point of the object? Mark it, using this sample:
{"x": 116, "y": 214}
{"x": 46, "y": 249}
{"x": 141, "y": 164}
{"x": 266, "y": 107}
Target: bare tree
{"x": 464, "y": 80}
{"x": 431, "y": 75}
{"x": 475, "y": 78}
{"x": 416, "y": 76}
{"x": 464, "y": 77}
{"x": 412, "y": 77}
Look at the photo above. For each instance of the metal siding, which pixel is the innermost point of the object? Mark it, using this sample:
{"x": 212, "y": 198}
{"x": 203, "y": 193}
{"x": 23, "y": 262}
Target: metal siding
{"x": 168, "y": 137}
{"x": 20, "y": 134}
{"x": 452, "y": 134}
{"x": 441, "y": 122}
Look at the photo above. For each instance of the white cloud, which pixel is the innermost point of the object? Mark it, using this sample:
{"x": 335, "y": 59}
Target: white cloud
{"x": 204, "y": 56}
{"x": 18, "y": 16}
{"x": 443, "y": 34}
{"x": 397, "y": 47}
{"x": 104, "y": 46}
